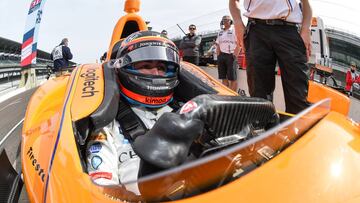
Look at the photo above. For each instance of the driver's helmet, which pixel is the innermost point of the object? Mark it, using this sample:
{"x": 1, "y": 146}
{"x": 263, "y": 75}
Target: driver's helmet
{"x": 148, "y": 66}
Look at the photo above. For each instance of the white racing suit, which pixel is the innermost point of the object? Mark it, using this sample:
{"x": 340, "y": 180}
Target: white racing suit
{"x": 110, "y": 158}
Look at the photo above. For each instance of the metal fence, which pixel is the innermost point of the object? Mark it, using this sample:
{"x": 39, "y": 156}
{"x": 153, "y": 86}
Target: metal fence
{"x": 10, "y": 76}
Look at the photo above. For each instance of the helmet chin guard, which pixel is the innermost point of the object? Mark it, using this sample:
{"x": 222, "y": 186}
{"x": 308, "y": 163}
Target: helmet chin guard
{"x": 147, "y": 90}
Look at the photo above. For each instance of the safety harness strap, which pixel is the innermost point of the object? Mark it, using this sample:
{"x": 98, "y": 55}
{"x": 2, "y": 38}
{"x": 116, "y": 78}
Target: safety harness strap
{"x": 130, "y": 124}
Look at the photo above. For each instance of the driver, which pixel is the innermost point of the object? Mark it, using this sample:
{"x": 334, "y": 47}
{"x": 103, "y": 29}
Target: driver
{"x": 147, "y": 66}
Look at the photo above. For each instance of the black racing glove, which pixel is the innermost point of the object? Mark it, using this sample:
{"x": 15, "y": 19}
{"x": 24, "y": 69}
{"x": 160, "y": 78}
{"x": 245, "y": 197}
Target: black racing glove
{"x": 167, "y": 144}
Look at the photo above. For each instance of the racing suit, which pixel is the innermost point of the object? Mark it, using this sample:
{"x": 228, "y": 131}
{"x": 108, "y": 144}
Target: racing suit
{"x": 110, "y": 158}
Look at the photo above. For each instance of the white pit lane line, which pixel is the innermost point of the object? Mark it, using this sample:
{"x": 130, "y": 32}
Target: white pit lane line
{"x": 11, "y": 131}
{"x": 12, "y": 103}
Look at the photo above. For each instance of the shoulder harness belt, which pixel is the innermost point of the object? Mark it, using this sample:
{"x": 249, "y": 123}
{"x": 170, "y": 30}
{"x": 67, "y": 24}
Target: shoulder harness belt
{"x": 130, "y": 124}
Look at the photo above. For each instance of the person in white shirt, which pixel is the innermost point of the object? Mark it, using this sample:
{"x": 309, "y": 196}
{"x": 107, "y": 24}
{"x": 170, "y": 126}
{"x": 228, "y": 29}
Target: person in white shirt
{"x": 227, "y": 51}
{"x": 276, "y": 31}
{"x": 212, "y": 51}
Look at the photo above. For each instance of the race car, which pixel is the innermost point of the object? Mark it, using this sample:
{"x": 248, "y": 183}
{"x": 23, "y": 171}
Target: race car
{"x": 249, "y": 152}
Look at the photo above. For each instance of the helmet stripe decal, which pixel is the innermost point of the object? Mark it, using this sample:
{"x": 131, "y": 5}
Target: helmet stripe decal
{"x": 156, "y": 101}
{"x": 161, "y": 39}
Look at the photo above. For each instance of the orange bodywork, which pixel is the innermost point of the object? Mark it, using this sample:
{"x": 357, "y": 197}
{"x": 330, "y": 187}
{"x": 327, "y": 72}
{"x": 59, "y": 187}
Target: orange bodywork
{"x": 323, "y": 165}
{"x": 324, "y": 68}
{"x": 131, "y": 7}
{"x": 339, "y": 102}
{"x": 88, "y": 91}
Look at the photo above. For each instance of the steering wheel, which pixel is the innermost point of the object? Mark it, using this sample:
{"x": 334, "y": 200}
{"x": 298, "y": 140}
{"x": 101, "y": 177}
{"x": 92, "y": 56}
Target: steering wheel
{"x": 228, "y": 119}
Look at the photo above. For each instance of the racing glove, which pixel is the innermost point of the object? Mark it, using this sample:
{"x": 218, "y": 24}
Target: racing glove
{"x": 167, "y": 144}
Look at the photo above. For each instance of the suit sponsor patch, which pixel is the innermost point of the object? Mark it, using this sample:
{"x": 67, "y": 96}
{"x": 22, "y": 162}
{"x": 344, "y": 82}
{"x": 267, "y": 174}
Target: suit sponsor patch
{"x": 95, "y": 148}
{"x": 96, "y": 161}
{"x": 97, "y": 175}
{"x": 125, "y": 141}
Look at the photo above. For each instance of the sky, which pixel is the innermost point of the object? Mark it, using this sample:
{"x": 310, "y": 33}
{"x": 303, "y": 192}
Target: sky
{"x": 88, "y": 24}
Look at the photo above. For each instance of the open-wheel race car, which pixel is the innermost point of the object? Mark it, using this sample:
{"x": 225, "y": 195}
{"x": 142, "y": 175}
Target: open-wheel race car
{"x": 247, "y": 152}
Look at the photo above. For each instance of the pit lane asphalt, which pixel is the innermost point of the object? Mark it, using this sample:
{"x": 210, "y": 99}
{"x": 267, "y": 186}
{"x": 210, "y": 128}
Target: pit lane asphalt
{"x": 12, "y": 112}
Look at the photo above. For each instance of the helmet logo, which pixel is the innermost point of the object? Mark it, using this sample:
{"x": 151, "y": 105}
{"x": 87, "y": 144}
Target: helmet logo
{"x": 157, "y": 101}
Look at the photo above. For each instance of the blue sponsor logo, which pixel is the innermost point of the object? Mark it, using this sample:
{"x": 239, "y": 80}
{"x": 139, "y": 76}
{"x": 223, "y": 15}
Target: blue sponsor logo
{"x": 125, "y": 141}
{"x": 96, "y": 161}
{"x": 95, "y": 148}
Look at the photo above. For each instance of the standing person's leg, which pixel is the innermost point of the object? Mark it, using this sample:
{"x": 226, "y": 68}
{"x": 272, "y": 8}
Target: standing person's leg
{"x": 187, "y": 59}
{"x": 192, "y": 59}
{"x": 291, "y": 52}
{"x": 231, "y": 72}
{"x": 260, "y": 60}
{"x": 196, "y": 60}
{"x": 222, "y": 70}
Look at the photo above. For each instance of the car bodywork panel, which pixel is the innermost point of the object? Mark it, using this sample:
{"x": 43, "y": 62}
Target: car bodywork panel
{"x": 320, "y": 164}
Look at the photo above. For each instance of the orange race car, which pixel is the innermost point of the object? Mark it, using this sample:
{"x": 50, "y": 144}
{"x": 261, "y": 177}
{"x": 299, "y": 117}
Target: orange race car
{"x": 249, "y": 152}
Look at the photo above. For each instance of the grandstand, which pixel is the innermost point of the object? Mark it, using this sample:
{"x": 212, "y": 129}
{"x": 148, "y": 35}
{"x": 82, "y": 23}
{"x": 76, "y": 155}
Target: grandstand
{"x": 10, "y": 54}
{"x": 10, "y": 69}
{"x": 344, "y": 48}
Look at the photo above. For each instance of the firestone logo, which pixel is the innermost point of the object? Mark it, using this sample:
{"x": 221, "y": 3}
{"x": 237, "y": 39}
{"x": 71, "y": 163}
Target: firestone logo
{"x": 36, "y": 165}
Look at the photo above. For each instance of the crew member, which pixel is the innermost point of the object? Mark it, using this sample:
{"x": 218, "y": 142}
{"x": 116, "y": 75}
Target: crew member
{"x": 61, "y": 55}
{"x": 276, "y": 31}
{"x": 227, "y": 51}
{"x": 164, "y": 33}
{"x": 351, "y": 77}
{"x": 190, "y": 46}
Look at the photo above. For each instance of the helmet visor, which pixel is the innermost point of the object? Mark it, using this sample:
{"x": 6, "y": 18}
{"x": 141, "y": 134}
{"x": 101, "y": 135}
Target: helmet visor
{"x": 150, "y": 53}
{"x": 155, "y": 68}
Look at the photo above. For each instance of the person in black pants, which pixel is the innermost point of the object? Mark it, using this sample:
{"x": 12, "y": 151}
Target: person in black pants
{"x": 61, "y": 55}
{"x": 227, "y": 51}
{"x": 276, "y": 31}
{"x": 190, "y": 46}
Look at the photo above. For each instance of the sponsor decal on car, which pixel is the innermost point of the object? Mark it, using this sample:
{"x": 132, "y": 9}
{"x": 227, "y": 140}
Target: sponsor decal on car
{"x": 88, "y": 89}
{"x": 97, "y": 175}
{"x": 36, "y": 165}
{"x": 188, "y": 107}
{"x": 96, "y": 161}
{"x": 95, "y": 148}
